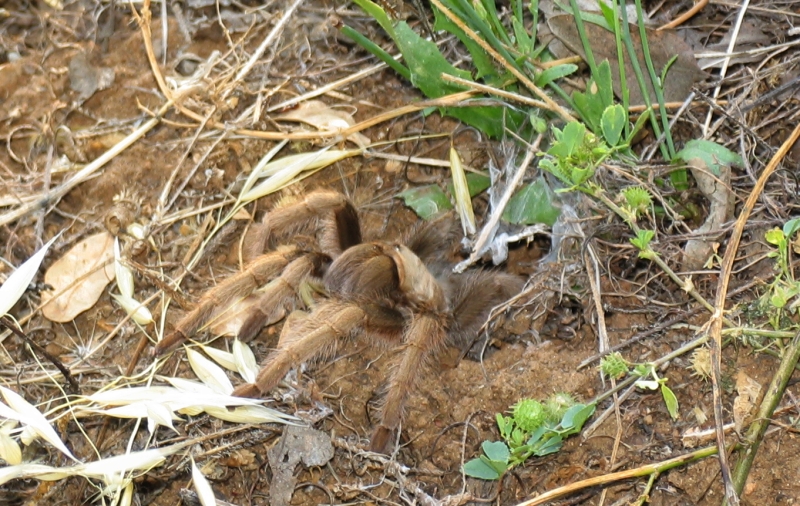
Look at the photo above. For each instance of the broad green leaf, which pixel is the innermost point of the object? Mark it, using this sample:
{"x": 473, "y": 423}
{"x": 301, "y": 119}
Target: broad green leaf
{"x": 496, "y": 451}
{"x": 477, "y": 468}
{"x": 555, "y": 73}
{"x": 576, "y": 416}
{"x": 791, "y": 227}
{"x": 670, "y": 400}
{"x": 532, "y": 204}
{"x": 712, "y": 154}
{"x": 551, "y": 445}
{"x": 426, "y": 201}
{"x": 613, "y": 123}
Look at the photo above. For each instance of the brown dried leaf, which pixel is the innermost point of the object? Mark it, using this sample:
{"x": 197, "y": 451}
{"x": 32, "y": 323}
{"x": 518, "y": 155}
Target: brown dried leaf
{"x": 717, "y": 190}
{"x": 79, "y": 278}
{"x": 664, "y": 44}
{"x": 748, "y": 391}
{"x": 322, "y": 117}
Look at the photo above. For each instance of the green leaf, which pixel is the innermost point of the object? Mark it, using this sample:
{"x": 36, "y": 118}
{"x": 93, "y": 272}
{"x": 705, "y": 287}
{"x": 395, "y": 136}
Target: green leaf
{"x": 496, "y": 451}
{"x": 576, "y": 416}
{"x": 670, "y": 400}
{"x": 640, "y": 122}
{"x": 426, "y": 201}
{"x": 376, "y": 50}
{"x": 379, "y": 14}
{"x": 613, "y": 123}
{"x": 524, "y": 42}
{"x": 710, "y": 153}
{"x": 476, "y": 183}
{"x": 604, "y": 84}
{"x": 568, "y": 140}
{"x": 775, "y": 236}
{"x": 549, "y": 446}
{"x": 537, "y": 435}
{"x": 477, "y": 468}
{"x": 555, "y": 73}
{"x": 791, "y": 227}
{"x": 480, "y": 58}
{"x": 532, "y": 204}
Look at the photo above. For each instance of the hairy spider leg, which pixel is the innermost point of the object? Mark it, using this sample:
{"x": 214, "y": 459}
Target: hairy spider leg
{"x": 234, "y": 288}
{"x": 331, "y": 214}
{"x": 424, "y": 337}
{"x": 272, "y": 304}
{"x": 316, "y": 334}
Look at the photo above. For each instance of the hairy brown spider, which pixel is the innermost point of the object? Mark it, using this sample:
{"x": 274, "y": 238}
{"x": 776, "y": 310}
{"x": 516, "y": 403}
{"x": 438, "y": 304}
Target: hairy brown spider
{"x": 401, "y": 293}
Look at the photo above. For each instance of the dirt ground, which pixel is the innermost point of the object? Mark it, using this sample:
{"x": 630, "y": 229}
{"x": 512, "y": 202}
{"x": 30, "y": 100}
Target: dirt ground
{"x": 75, "y": 82}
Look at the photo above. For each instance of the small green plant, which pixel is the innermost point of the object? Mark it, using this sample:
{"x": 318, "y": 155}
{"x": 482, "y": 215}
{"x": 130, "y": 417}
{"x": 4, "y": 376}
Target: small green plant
{"x": 534, "y": 428}
{"x": 616, "y": 367}
{"x": 642, "y": 242}
{"x": 783, "y": 287}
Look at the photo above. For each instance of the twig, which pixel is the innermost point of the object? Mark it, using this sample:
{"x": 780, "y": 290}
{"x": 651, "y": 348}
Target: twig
{"x": 258, "y": 53}
{"x": 490, "y": 226}
{"x": 759, "y": 427}
{"x": 714, "y": 325}
{"x": 87, "y": 171}
{"x": 605, "y": 479}
{"x": 73, "y": 387}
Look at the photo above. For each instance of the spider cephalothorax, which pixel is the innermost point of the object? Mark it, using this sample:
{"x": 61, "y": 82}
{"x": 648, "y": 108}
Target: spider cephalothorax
{"x": 402, "y": 293}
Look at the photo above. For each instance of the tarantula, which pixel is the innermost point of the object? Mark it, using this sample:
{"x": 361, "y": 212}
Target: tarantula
{"x": 401, "y": 293}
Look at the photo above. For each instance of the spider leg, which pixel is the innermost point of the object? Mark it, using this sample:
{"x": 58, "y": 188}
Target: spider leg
{"x": 425, "y": 336}
{"x": 240, "y": 285}
{"x": 306, "y": 339}
{"x": 332, "y": 214}
{"x": 271, "y": 304}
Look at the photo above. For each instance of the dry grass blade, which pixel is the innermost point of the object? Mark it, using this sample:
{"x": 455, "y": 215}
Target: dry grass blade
{"x": 461, "y": 193}
{"x": 204, "y": 492}
{"x": 21, "y": 410}
{"x": 16, "y": 284}
{"x": 209, "y": 373}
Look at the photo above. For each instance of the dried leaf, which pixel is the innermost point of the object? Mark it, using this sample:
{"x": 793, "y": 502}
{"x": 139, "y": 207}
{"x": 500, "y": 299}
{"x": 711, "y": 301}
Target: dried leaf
{"x": 80, "y": 277}
{"x": 139, "y": 313}
{"x": 223, "y": 358}
{"x": 717, "y": 189}
{"x": 322, "y": 117}
{"x": 281, "y": 172}
{"x": 249, "y": 414}
{"x": 123, "y": 273}
{"x": 748, "y": 391}
{"x": 664, "y": 45}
